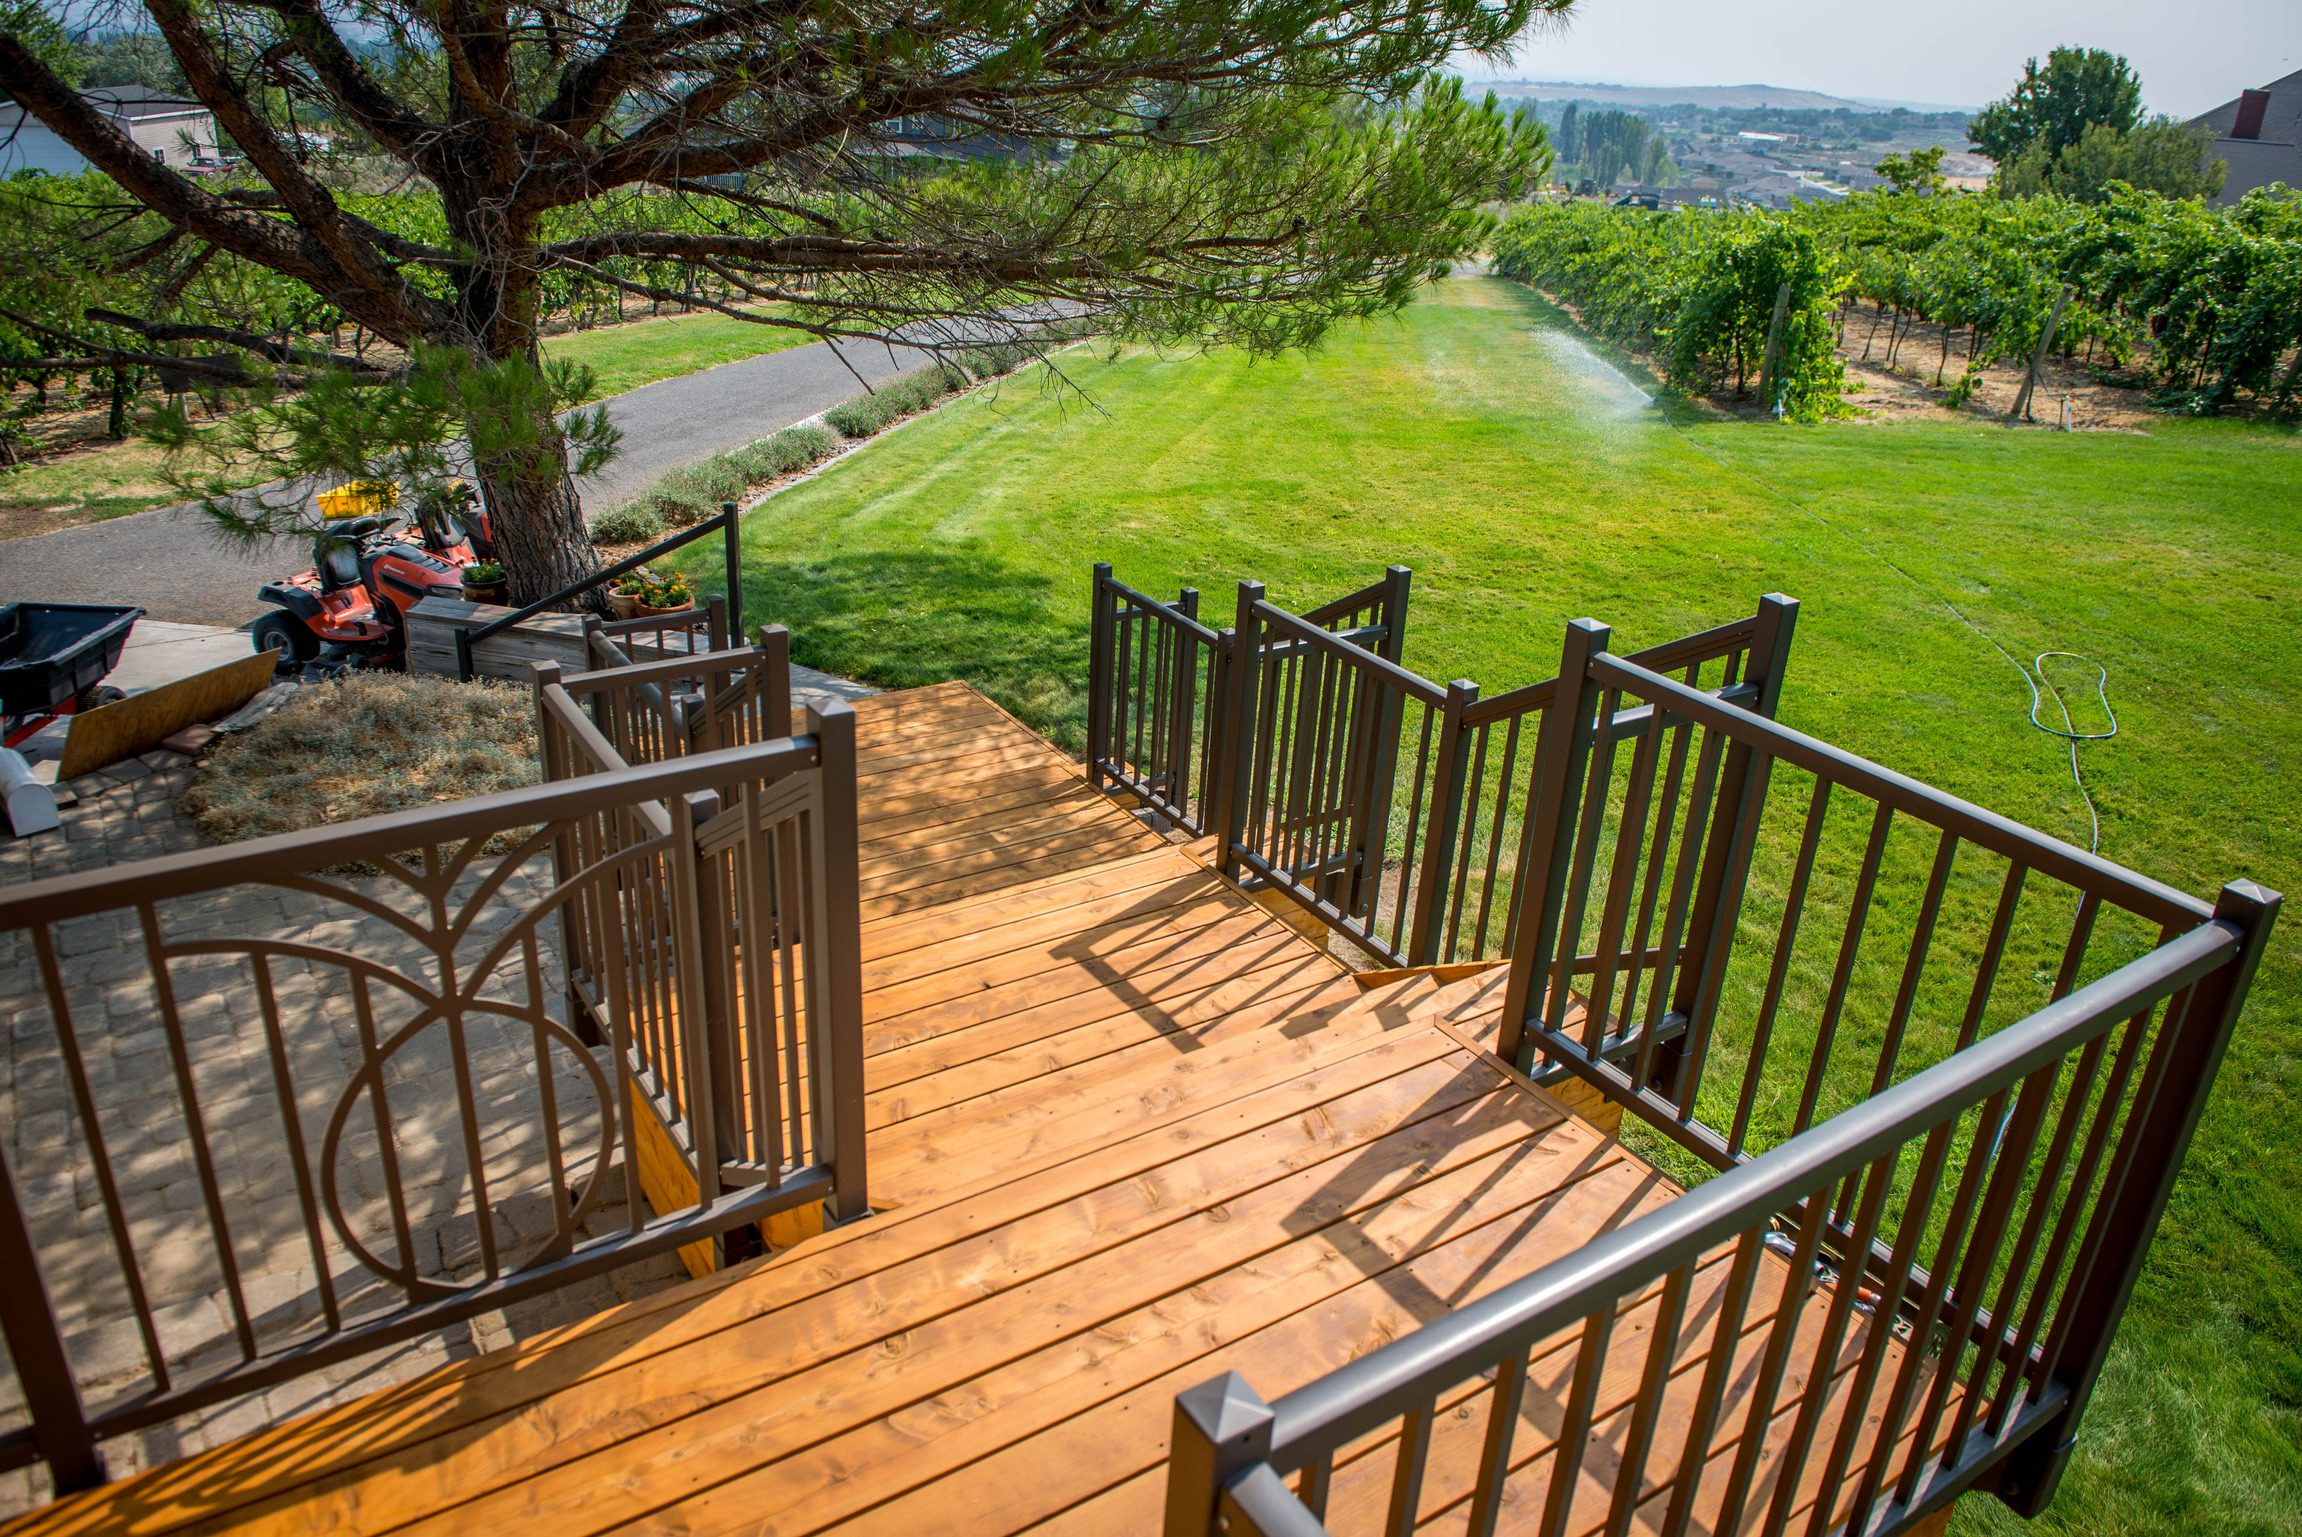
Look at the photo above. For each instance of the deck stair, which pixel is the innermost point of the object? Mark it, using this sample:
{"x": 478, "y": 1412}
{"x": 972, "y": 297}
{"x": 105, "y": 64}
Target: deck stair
{"x": 1126, "y": 1130}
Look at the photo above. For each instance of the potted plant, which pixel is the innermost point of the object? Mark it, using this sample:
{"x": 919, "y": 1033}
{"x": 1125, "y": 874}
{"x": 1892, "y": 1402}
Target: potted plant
{"x": 666, "y": 595}
{"x": 484, "y": 582}
{"x": 623, "y": 598}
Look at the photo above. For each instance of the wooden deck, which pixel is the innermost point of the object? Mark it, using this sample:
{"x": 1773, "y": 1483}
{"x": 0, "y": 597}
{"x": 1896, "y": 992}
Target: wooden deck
{"x": 1127, "y": 1131}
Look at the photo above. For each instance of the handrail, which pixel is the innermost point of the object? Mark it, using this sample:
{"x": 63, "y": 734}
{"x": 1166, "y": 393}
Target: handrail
{"x": 2067, "y": 862}
{"x": 1301, "y": 627}
{"x": 1701, "y": 646}
{"x": 1351, "y": 602}
{"x": 1168, "y": 612}
{"x": 380, "y": 836}
{"x": 725, "y": 522}
{"x": 1351, "y": 1400}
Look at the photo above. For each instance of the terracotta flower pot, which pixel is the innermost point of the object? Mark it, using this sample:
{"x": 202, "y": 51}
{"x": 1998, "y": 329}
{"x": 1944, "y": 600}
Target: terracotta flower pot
{"x": 623, "y": 605}
{"x": 487, "y": 592}
{"x": 649, "y": 611}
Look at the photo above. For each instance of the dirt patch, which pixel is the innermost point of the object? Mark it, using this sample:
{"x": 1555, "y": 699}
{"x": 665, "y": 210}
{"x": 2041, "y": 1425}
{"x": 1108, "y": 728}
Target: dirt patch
{"x": 1906, "y": 388}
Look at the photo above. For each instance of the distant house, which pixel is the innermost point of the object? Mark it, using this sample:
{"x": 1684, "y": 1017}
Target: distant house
{"x": 2259, "y": 137}
{"x": 179, "y": 133}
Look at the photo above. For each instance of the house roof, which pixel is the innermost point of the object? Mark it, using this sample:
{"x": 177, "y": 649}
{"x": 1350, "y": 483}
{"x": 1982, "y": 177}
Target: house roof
{"x": 2274, "y": 151}
{"x": 136, "y": 101}
{"x": 124, "y": 103}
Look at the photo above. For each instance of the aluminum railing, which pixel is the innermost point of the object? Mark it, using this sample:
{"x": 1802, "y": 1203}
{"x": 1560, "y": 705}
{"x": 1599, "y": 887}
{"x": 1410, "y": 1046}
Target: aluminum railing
{"x": 401, "y": 1063}
{"x": 1941, "y": 1163}
{"x": 1389, "y": 806}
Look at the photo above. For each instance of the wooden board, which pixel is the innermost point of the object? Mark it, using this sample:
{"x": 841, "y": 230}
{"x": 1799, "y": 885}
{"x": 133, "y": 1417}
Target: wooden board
{"x": 510, "y": 656}
{"x": 105, "y": 735}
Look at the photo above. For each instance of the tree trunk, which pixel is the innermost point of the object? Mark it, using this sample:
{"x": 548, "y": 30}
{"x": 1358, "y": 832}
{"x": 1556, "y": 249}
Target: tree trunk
{"x": 539, "y": 528}
{"x": 116, "y": 420}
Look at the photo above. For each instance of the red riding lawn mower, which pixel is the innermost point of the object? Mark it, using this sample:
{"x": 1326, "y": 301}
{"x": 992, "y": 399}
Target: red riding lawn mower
{"x": 369, "y": 567}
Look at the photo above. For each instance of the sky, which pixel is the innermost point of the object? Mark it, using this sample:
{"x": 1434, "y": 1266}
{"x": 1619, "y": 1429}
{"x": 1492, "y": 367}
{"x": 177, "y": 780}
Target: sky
{"x": 2192, "y": 54}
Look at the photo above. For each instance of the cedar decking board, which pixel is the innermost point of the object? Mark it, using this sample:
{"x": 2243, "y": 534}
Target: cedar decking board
{"x": 1126, "y": 1131}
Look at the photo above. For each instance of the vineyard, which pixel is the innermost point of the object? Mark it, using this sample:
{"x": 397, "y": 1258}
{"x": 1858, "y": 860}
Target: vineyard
{"x": 2205, "y": 303}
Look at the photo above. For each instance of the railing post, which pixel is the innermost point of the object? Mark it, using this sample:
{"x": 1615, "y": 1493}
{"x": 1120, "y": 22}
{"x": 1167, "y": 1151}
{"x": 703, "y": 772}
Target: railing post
{"x": 1395, "y": 582}
{"x": 1221, "y": 1428}
{"x": 1425, "y": 942}
{"x": 734, "y": 536}
{"x": 551, "y": 759}
{"x": 36, "y": 1346}
{"x": 837, "y": 971}
{"x": 1239, "y": 715}
{"x": 775, "y": 686}
{"x": 1098, "y": 673}
{"x": 1562, "y": 747}
{"x": 2183, "y": 1062}
{"x": 1726, "y": 858}
{"x": 463, "y": 655}
{"x": 699, "y": 1093}
{"x": 715, "y": 623}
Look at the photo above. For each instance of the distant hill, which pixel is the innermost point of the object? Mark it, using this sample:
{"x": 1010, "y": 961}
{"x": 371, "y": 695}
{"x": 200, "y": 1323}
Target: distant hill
{"x": 1722, "y": 97}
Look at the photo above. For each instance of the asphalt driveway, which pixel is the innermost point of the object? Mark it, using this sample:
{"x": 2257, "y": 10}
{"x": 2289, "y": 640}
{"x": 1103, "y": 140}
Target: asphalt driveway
{"x": 172, "y": 562}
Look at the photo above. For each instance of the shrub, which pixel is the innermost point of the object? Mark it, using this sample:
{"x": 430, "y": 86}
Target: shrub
{"x": 818, "y": 442}
{"x": 993, "y": 361}
{"x": 860, "y": 417}
{"x": 697, "y": 490}
{"x": 794, "y": 448}
{"x": 635, "y": 522}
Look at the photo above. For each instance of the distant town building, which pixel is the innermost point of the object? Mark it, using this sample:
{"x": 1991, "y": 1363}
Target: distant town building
{"x": 1670, "y": 197}
{"x": 179, "y": 133}
{"x": 2259, "y": 137}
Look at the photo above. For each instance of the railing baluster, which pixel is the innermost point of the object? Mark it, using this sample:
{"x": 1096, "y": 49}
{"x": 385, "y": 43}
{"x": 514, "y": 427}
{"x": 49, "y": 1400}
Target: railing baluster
{"x": 1650, "y": 887}
{"x": 1575, "y": 1421}
{"x": 36, "y": 1350}
{"x": 1623, "y": 873}
{"x": 1406, "y": 1498}
{"x": 1842, "y": 972}
{"x": 99, "y": 1156}
{"x": 1917, "y": 1210}
{"x": 1495, "y": 1451}
{"x": 1506, "y": 796}
{"x": 195, "y": 1125}
{"x": 1598, "y": 777}
{"x": 292, "y": 1124}
{"x": 1427, "y": 943}
{"x": 1790, "y": 1306}
{"x": 1647, "y": 1406}
{"x": 2073, "y": 1212}
{"x": 1877, "y": 1179}
{"x": 1702, "y": 1416}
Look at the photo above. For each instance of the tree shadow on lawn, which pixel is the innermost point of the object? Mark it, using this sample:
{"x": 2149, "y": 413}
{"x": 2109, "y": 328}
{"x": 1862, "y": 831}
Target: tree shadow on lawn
{"x": 908, "y": 618}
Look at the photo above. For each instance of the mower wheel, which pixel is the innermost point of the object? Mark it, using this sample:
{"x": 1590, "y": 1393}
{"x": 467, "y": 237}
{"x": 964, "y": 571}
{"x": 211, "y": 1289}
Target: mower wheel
{"x": 96, "y": 694}
{"x": 285, "y": 635}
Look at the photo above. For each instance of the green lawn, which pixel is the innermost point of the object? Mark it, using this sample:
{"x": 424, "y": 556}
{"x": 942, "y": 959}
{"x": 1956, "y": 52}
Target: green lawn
{"x": 115, "y": 479}
{"x": 1525, "y": 485}
{"x": 642, "y": 351}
